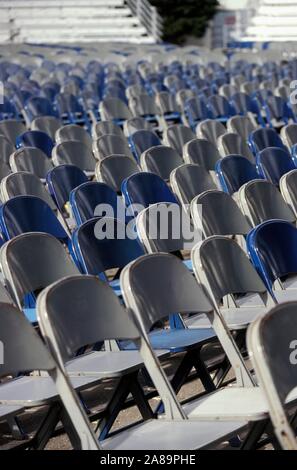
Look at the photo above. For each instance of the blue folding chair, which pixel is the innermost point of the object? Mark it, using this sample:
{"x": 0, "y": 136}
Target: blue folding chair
{"x": 263, "y": 138}
{"x": 242, "y": 104}
{"x": 38, "y": 106}
{"x": 277, "y": 111}
{"x": 272, "y": 247}
{"x": 273, "y": 163}
{"x": 37, "y": 139}
{"x": 70, "y": 110}
{"x": 233, "y": 171}
{"x": 93, "y": 199}
{"x": 143, "y": 140}
{"x": 195, "y": 111}
{"x": 143, "y": 189}
{"x": 220, "y": 108}
{"x": 7, "y": 110}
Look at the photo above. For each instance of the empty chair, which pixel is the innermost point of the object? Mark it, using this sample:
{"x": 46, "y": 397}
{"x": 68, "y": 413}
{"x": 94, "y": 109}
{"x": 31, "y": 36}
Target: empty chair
{"x": 234, "y": 171}
{"x": 47, "y": 124}
{"x": 241, "y": 125}
{"x": 36, "y": 139}
{"x": 276, "y": 372}
{"x": 105, "y": 127}
{"x": 195, "y": 111}
{"x": 135, "y": 90}
{"x": 161, "y": 160}
{"x": 111, "y": 144}
{"x": 113, "y": 170}
{"x": 288, "y": 134}
{"x": 288, "y": 188}
{"x": 70, "y": 110}
{"x": 216, "y": 213}
{"x": 201, "y": 152}
{"x": 143, "y": 140}
{"x": 176, "y": 136}
{"x": 32, "y": 160}
{"x": 11, "y": 129}
{"x": 73, "y": 132}
{"x": 244, "y": 105}
{"x": 23, "y": 183}
{"x": 260, "y": 200}
{"x": 211, "y": 130}
{"x": 74, "y": 153}
{"x": 23, "y": 214}
{"x": 232, "y": 144}
{"x": 38, "y": 106}
{"x": 144, "y": 106}
{"x": 135, "y": 124}
{"x": 189, "y": 180}
{"x": 91, "y": 199}
{"x": 227, "y": 91}
{"x": 114, "y": 109}
{"x": 272, "y": 248}
{"x": 277, "y": 111}
{"x": 263, "y": 138}
{"x": 6, "y": 149}
{"x": 219, "y": 108}
{"x": 168, "y": 108}
{"x": 274, "y": 162}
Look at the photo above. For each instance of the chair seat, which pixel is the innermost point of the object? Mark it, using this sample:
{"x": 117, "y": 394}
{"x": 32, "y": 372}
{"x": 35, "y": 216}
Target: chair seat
{"x": 290, "y": 283}
{"x": 6, "y": 411}
{"x": 172, "y": 435}
{"x": 287, "y": 295}
{"x": 236, "y": 318}
{"x": 103, "y": 364}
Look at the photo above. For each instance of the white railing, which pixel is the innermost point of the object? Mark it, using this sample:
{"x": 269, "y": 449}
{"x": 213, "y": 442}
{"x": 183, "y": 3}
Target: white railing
{"x": 148, "y": 17}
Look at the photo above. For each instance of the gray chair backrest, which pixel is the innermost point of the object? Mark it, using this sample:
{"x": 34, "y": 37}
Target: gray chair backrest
{"x": 47, "y": 124}
{"x": 227, "y": 268}
{"x": 142, "y": 105}
{"x": 113, "y": 170}
{"x": 289, "y": 134}
{"x": 227, "y": 91}
{"x": 160, "y": 160}
{"x": 6, "y": 149}
{"x": 272, "y": 345}
{"x": 11, "y": 129}
{"x": 290, "y": 180}
{"x": 73, "y": 132}
{"x": 105, "y": 127}
{"x": 74, "y": 153}
{"x": 114, "y": 108}
{"x": 220, "y": 214}
{"x": 202, "y": 152}
{"x": 242, "y": 126}
{"x": 25, "y": 184}
{"x": 189, "y": 180}
{"x": 136, "y": 124}
{"x": 211, "y": 130}
{"x": 32, "y": 160}
{"x": 166, "y": 102}
{"x": 232, "y": 144}
{"x": 177, "y": 136}
{"x": 265, "y": 202}
{"x": 111, "y": 144}
{"x": 32, "y": 261}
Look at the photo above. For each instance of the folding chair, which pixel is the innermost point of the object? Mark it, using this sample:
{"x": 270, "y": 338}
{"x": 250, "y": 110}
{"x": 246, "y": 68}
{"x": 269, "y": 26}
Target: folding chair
{"x": 70, "y": 110}
{"x": 278, "y": 113}
{"x": 210, "y": 130}
{"x": 219, "y": 108}
{"x": 143, "y": 140}
{"x": 111, "y": 144}
{"x": 276, "y": 366}
{"x": 260, "y": 200}
{"x": 145, "y": 106}
{"x": 272, "y": 248}
{"x": 288, "y": 134}
{"x": 105, "y": 127}
{"x": 244, "y": 105}
{"x": 168, "y": 109}
{"x": 32, "y": 160}
{"x": 232, "y": 144}
{"x": 176, "y": 136}
{"x": 11, "y": 129}
{"x": 234, "y": 171}
{"x": 75, "y": 153}
{"x": 38, "y": 106}
{"x": 114, "y": 109}
{"x": 152, "y": 434}
{"x": 216, "y": 213}
{"x": 241, "y": 125}
{"x": 135, "y": 124}
{"x": 195, "y": 111}
{"x": 263, "y": 138}
{"x": 161, "y": 160}
{"x": 6, "y": 149}
{"x": 24, "y": 183}
{"x": 201, "y": 152}
{"x": 47, "y": 124}
{"x": 36, "y": 139}
{"x": 113, "y": 170}
{"x": 72, "y": 132}
{"x": 288, "y": 187}
{"x": 227, "y": 91}
{"x": 273, "y": 163}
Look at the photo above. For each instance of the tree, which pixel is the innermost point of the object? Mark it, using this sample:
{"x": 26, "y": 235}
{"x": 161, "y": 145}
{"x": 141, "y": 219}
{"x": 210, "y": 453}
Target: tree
{"x": 185, "y": 17}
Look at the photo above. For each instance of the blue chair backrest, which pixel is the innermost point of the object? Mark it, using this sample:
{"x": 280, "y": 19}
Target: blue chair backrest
{"x": 96, "y": 254}
{"x": 23, "y": 214}
{"x": 219, "y": 107}
{"x": 233, "y": 171}
{"x": 277, "y": 108}
{"x": 143, "y": 140}
{"x": 273, "y": 163}
{"x": 242, "y": 103}
{"x": 7, "y": 109}
{"x": 38, "y": 106}
{"x": 61, "y": 180}
{"x": 196, "y": 110}
{"x": 37, "y": 139}
{"x": 86, "y": 199}
{"x": 272, "y": 247}
{"x": 263, "y": 138}
{"x": 146, "y": 188}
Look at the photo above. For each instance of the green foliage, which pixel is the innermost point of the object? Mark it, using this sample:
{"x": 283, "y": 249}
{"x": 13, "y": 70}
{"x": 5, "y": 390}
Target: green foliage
{"x": 185, "y": 17}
